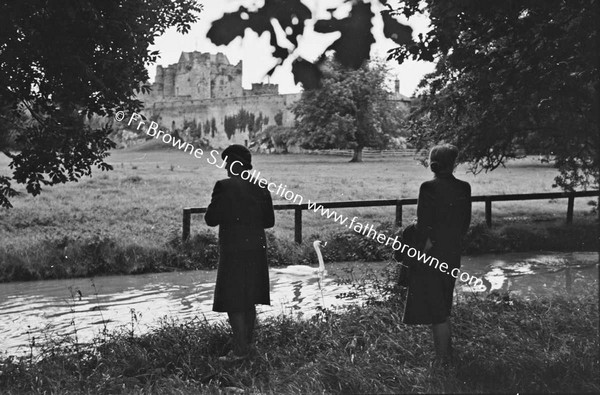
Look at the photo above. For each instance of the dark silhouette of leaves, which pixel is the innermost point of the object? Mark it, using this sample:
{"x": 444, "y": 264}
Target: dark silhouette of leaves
{"x": 289, "y": 14}
{"x": 351, "y": 49}
{"x": 306, "y": 73}
{"x": 392, "y": 29}
{"x": 230, "y": 26}
{"x": 354, "y": 45}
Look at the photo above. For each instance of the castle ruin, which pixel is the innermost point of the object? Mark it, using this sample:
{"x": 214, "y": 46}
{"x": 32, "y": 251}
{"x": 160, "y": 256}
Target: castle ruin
{"x": 201, "y": 96}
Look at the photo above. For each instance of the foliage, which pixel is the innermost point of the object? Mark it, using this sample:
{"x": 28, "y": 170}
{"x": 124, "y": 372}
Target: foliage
{"x": 278, "y": 137}
{"x": 194, "y": 128}
{"x": 207, "y": 128}
{"x": 279, "y": 118}
{"x": 511, "y": 76}
{"x": 351, "y": 49}
{"x": 213, "y": 127}
{"x": 242, "y": 121}
{"x": 62, "y": 63}
{"x": 351, "y": 109}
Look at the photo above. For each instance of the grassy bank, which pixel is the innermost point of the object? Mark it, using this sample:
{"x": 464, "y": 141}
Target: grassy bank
{"x": 104, "y": 255}
{"x": 544, "y": 345}
{"x": 129, "y": 220}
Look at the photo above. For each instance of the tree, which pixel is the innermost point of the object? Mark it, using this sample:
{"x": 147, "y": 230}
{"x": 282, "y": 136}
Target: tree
{"x": 511, "y": 75}
{"x": 351, "y": 109}
{"x": 277, "y": 137}
{"x": 64, "y": 62}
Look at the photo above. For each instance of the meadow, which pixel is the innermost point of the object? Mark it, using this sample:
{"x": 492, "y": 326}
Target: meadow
{"x": 133, "y": 214}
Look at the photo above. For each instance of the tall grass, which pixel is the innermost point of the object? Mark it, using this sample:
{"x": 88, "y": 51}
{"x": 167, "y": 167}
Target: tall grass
{"x": 503, "y": 345}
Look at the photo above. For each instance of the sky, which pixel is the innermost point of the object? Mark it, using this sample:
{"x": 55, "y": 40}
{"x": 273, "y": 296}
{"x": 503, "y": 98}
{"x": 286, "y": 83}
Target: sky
{"x": 255, "y": 51}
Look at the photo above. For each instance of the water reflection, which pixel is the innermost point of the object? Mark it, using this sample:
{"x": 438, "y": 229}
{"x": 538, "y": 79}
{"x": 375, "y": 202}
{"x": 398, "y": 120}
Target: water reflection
{"x": 533, "y": 274}
{"x": 84, "y": 307}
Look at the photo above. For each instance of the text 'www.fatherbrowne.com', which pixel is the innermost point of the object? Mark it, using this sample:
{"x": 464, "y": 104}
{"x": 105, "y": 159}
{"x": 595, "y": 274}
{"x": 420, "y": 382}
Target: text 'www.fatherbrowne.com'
{"x": 369, "y": 231}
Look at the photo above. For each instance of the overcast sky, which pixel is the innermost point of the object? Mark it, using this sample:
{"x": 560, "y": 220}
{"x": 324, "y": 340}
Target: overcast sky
{"x": 255, "y": 52}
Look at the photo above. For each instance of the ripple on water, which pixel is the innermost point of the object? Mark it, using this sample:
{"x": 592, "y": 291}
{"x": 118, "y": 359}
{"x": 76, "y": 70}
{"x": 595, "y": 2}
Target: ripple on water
{"x": 42, "y": 308}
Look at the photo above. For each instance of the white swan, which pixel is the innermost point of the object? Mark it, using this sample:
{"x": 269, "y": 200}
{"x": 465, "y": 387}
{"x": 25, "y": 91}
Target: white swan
{"x": 305, "y": 270}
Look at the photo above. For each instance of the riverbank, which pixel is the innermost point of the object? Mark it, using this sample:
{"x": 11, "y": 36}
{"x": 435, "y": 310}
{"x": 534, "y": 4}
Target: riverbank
{"x": 69, "y": 257}
{"x": 503, "y": 345}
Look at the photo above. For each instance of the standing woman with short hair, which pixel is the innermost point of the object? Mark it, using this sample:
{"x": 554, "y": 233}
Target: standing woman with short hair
{"x": 243, "y": 211}
{"x": 443, "y": 217}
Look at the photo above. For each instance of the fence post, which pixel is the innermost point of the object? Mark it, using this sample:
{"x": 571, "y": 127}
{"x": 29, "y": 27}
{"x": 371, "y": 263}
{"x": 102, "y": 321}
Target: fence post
{"x": 298, "y": 225}
{"x": 399, "y": 213}
{"x": 570, "y": 205}
{"x": 488, "y": 212}
{"x": 185, "y": 234}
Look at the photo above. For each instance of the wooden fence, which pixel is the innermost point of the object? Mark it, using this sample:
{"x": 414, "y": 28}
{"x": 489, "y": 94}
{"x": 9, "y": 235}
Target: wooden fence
{"x": 367, "y": 152}
{"x": 400, "y": 203}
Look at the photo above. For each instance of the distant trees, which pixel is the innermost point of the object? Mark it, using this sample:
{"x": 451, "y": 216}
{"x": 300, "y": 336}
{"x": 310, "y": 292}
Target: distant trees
{"x": 244, "y": 120}
{"x": 511, "y": 75}
{"x": 61, "y": 62}
{"x": 276, "y": 137}
{"x": 351, "y": 109}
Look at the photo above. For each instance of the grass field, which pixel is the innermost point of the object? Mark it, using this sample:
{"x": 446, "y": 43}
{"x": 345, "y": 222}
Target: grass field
{"x": 140, "y": 202}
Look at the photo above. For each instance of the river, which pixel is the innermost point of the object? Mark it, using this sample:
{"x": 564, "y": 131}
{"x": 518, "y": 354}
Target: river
{"x": 34, "y": 312}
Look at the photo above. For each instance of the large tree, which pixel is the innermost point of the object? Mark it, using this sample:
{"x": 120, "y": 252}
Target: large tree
{"x": 350, "y": 109}
{"x": 511, "y": 77}
{"x": 64, "y": 61}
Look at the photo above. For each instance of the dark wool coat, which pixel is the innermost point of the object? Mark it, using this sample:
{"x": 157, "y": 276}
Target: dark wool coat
{"x": 443, "y": 215}
{"x": 242, "y": 210}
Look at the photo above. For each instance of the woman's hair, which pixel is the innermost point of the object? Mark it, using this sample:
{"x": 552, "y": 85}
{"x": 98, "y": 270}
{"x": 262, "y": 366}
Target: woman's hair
{"x": 442, "y": 158}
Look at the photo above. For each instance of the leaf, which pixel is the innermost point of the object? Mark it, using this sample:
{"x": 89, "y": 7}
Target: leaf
{"x": 354, "y": 45}
{"x": 392, "y": 29}
{"x": 228, "y": 28}
{"x": 306, "y": 73}
{"x": 290, "y": 14}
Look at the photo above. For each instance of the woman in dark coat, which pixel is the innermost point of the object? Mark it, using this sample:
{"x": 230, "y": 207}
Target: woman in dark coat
{"x": 443, "y": 217}
{"x": 242, "y": 210}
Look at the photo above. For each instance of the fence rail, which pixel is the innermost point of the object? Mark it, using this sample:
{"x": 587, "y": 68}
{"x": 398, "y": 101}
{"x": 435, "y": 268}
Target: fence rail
{"x": 400, "y": 203}
{"x": 366, "y": 153}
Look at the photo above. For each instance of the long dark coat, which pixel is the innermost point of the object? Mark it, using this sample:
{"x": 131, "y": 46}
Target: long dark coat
{"x": 443, "y": 216}
{"x": 242, "y": 210}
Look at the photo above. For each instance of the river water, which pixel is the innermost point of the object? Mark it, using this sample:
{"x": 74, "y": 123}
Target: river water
{"x": 34, "y": 312}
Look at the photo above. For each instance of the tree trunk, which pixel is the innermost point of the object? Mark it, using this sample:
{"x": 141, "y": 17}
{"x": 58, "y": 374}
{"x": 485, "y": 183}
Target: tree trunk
{"x": 357, "y": 156}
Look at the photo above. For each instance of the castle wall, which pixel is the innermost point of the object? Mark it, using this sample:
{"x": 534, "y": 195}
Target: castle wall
{"x": 201, "y": 96}
{"x": 169, "y": 81}
{"x": 262, "y": 89}
{"x": 212, "y": 116}
{"x": 226, "y": 80}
